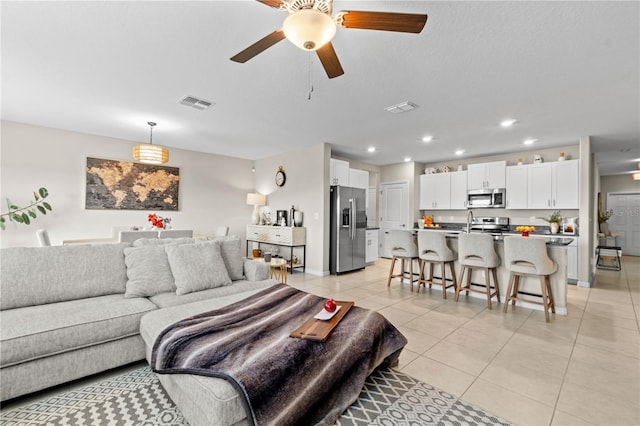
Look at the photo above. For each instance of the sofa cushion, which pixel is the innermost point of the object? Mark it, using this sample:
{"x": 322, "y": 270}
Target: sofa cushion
{"x": 38, "y": 275}
{"x": 164, "y": 300}
{"x": 231, "y": 251}
{"x": 162, "y": 241}
{"x": 148, "y": 271}
{"x": 35, "y": 332}
{"x": 197, "y": 266}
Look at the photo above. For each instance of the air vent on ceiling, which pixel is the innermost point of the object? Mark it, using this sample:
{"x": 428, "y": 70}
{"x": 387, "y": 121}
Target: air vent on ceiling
{"x": 401, "y": 107}
{"x": 193, "y": 102}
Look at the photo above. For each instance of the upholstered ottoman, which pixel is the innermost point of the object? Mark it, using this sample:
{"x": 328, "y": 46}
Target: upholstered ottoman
{"x": 204, "y": 401}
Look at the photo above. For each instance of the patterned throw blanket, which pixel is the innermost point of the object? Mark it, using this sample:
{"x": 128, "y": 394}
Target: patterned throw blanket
{"x": 284, "y": 380}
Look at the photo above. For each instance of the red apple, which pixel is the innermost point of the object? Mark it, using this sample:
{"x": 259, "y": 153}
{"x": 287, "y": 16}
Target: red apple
{"x": 330, "y": 305}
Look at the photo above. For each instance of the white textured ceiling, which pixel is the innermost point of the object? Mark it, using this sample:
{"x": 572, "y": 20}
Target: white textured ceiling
{"x": 562, "y": 69}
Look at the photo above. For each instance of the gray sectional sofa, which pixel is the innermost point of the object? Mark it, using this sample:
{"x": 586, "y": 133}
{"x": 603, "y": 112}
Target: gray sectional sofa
{"x": 71, "y": 311}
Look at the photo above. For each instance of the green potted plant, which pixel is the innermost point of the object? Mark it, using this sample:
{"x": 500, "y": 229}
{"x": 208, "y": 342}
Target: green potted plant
{"x": 554, "y": 221}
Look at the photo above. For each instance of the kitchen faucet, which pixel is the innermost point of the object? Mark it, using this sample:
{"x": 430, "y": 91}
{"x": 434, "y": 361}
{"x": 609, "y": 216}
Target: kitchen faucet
{"x": 469, "y": 220}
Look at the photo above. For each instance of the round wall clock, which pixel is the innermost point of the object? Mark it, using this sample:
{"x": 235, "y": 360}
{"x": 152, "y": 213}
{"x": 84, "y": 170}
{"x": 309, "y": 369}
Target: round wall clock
{"x": 281, "y": 178}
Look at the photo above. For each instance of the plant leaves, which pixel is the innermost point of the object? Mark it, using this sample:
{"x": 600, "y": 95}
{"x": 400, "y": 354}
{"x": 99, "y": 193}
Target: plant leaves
{"x": 25, "y": 219}
{"x": 46, "y": 205}
{"x": 41, "y": 209}
{"x": 43, "y": 192}
{"x": 36, "y": 196}
{"x": 16, "y": 217}
{"x": 32, "y": 213}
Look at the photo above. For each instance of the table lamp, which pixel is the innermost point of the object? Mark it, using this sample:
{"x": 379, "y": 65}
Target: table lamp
{"x": 255, "y": 199}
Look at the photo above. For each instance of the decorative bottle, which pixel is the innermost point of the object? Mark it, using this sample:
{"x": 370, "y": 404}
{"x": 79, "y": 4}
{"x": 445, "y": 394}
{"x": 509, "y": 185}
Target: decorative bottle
{"x": 291, "y": 214}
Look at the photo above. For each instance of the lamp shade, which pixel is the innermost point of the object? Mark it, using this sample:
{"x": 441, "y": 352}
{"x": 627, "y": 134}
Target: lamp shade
{"x": 256, "y": 199}
{"x": 309, "y": 29}
{"x": 150, "y": 154}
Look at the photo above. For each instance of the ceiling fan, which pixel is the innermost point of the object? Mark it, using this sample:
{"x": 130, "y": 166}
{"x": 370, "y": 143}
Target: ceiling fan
{"x": 310, "y": 26}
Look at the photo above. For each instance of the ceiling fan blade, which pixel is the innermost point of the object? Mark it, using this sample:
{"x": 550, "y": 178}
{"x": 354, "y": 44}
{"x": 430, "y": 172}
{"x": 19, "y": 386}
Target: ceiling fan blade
{"x": 258, "y": 47}
{"x": 271, "y": 3}
{"x": 384, "y": 21}
{"x": 330, "y": 61}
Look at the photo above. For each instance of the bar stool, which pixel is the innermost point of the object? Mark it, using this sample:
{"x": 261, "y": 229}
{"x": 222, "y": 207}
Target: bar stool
{"x": 403, "y": 248}
{"x": 528, "y": 257}
{"x": 476, "y": 251}
{"x": 433, "y": 249}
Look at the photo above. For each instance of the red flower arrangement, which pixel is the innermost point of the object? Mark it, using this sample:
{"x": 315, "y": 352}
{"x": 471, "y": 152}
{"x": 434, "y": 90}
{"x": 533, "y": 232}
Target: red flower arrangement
{"x": 159, "y": 222}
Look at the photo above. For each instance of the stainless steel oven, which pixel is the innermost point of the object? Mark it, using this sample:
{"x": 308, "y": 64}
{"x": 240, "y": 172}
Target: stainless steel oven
{"x": 486, "y": 198}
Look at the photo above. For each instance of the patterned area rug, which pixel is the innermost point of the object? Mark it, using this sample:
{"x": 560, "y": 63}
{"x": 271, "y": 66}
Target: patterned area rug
{"x": 389, "y": 398}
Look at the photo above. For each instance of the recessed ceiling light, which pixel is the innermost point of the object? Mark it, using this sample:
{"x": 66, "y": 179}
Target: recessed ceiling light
{"x": 507, "y": 123}
{"x": 530, "y": 141}
{"x": 407, "y": 159}
{"x": 427, "y": 139}
{"x": 460, "y": 152}
{"x": 371, "y": 149}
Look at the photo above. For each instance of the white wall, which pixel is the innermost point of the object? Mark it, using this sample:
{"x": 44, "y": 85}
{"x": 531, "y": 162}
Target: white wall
{"x": 212, "y": 190}
{"x": 306, "y": 188}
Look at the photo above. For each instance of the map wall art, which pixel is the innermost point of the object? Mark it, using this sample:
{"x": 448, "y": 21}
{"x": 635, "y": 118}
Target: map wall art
{"x": 124, "y": 185}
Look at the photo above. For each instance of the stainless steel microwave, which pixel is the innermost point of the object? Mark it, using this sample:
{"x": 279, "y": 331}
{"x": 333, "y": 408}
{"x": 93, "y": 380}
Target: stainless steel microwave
{"x": 486, "y": 198}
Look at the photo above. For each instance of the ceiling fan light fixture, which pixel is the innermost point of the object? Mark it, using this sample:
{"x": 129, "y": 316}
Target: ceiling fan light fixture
{"x": 309, "y": 29}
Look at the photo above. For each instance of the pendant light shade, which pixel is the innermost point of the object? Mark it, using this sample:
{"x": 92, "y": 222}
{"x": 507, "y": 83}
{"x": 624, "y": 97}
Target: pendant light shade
{"x": 149, "y": 153}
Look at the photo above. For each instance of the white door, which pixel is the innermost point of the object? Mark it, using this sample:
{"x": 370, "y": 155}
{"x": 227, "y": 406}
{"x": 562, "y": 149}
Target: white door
{"x": 394, "y": 212}
{"x": 625, "y": 221}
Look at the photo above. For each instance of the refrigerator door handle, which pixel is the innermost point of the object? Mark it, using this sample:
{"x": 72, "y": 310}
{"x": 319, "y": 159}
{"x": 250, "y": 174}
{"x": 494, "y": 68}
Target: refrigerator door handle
{"x": 352, "y": 224}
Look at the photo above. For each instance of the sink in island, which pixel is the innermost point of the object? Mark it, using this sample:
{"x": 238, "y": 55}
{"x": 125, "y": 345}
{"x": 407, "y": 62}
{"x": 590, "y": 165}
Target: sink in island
{"x": 557, "y": 250}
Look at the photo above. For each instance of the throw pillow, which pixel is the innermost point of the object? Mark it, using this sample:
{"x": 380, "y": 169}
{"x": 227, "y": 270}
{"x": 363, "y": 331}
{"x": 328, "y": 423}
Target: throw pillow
{"x": 231, "y": 251}
{"x": 148, "y": 271}
{"x": 197, "y": 267}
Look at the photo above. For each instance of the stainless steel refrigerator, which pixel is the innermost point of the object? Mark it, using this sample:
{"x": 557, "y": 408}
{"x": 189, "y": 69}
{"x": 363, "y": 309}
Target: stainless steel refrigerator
{"x": 348, "y": 223}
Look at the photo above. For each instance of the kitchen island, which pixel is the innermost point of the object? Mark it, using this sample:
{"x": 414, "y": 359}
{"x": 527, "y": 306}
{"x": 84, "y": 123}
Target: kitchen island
{"x": 557, "y": 250}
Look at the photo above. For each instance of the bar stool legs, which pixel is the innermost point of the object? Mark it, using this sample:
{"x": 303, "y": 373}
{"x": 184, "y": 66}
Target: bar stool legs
{"x": 545, "y": 287}
{"x": 488, "y": 273}
{"x": 402, "y": 274}
{"x": 443, "y": 279}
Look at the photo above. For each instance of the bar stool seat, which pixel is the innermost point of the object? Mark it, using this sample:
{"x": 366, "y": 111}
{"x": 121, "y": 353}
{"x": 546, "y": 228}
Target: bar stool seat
{"x": 433, "y": 249}
{"x": 403, "y": 248}
{"x": 528, "y": 257}
{"x": 476, "y": 251}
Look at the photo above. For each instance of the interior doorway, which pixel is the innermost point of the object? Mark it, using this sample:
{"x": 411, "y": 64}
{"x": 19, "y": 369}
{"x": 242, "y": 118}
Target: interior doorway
{"x": 394, "y": 211}
{"x": 625, "y": 221}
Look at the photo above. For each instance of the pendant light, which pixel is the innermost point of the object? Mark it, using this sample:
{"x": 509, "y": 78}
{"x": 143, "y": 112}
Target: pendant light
{"x": 149, "y": 153}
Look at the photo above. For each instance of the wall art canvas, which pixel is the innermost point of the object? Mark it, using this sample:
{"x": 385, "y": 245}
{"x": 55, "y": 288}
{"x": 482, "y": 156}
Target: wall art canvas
{"x": 124, "y": 185}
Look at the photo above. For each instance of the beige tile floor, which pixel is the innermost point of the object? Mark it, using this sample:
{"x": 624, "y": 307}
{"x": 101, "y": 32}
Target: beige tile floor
{"x": 583, "y": 368}
{"x": 579, "y": 369}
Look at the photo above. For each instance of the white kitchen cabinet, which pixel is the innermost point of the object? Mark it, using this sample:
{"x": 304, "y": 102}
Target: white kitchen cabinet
{"x": 435, "y": 191}
{"x": 486, "y": 175}
{"x": 566, "y": 184}
{"x": 553, "y": 185}
{"x": 371, "y": 247}
{"x": 358, "y": 178}
{"x": 516, "y": 186}
{"x": 459, "y": 190}
{"x": 339, "y": 171}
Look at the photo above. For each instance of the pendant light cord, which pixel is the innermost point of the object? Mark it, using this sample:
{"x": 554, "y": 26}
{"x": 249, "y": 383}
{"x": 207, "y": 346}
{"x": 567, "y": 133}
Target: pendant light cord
{"x": 151, "y": 124}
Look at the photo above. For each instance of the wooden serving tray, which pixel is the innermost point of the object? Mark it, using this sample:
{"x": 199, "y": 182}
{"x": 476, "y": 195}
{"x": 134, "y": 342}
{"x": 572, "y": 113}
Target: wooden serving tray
{"x": 319, "y": 330}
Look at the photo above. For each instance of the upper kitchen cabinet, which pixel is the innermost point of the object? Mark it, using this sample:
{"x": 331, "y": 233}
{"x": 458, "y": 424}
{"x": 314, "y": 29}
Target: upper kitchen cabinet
{"x": 487, "y": 175}
{"x": 339, "y": 171}
{"x": 459, "y": 190}
{"x": 554, "y": 185}
{"x": 435, "y": 191}
{"x": 517, "y": 188}
{"x": 358, "y": 178}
